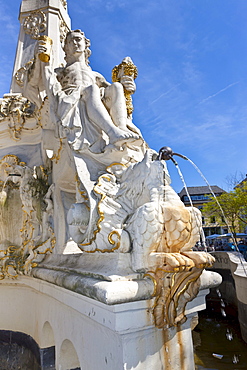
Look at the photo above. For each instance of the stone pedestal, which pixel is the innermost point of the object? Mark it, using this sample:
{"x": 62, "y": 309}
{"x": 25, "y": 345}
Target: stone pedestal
{"x": 87, "y": 334}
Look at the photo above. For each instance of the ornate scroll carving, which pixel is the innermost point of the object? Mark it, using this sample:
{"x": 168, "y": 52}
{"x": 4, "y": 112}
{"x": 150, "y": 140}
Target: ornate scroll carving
{"x": 16, "y": 109}
{"x": 35, "y": 24}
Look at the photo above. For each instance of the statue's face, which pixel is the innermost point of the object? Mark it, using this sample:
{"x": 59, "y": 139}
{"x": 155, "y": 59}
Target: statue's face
{"x": 75, "y": 44}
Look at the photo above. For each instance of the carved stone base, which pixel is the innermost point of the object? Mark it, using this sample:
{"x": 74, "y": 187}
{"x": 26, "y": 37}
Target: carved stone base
{"x": 89, "y": 334}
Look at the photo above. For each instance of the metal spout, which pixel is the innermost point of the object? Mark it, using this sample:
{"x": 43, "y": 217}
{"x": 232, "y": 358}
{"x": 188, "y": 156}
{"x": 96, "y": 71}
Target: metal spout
{"x": 167, "y": 153}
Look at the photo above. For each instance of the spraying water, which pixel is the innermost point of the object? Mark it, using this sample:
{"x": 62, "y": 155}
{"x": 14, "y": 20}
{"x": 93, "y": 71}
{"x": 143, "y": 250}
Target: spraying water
{"x": 166, "y": 153}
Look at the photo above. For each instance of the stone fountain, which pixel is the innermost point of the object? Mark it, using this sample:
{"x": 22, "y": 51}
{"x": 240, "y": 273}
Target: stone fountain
{"x": 96, "y": 258}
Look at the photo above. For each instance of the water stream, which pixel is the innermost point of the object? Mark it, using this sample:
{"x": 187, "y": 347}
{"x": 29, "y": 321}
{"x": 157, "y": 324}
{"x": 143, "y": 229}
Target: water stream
{"x": 218, "y": 344}
{"x": 168, "y": 154}
{"x": 201, "y": 232}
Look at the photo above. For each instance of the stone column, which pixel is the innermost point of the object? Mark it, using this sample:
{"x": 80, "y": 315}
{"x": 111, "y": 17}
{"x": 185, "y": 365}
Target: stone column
{"x": 39, "y": 17}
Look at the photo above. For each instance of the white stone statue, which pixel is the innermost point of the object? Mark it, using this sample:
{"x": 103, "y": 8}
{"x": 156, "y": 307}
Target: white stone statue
{"x": 109, "y": 192}
{"x": 98, "y": 216}
{"x": 127, "y": 204}
{"x": 86, "y": 109}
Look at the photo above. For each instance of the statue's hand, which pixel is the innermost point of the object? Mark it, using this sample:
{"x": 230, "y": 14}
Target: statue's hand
{"x": 128, "y": 83}
{"x": 43, "y": 50}
{"x": 39, "y": 49}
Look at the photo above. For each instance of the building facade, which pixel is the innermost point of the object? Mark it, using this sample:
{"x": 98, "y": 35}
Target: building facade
{"x": 200, "y": 195}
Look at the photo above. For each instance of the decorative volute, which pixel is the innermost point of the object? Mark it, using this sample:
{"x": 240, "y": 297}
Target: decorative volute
{"x": 38, "y": 18}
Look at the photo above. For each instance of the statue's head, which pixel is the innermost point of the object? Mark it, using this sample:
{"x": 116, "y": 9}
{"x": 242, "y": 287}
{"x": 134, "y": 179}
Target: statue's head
{"x": 76, "y": 42}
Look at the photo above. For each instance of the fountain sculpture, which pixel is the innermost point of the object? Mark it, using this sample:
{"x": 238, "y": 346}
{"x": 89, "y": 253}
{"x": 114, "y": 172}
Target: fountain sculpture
{"x": 86, "y": 205}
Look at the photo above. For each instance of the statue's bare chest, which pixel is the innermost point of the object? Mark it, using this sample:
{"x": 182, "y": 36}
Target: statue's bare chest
{"x": 74, "y": 76}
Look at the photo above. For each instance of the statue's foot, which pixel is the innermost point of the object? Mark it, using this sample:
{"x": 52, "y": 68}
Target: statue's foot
{"x": 118, "y": 135}
{"x": 200, "y": 259}
{"x": 177, "y": 262}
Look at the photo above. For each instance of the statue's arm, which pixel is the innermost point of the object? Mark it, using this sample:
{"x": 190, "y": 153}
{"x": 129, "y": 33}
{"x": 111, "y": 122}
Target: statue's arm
{"x": 127, "y": 82}
{"x": 40, "y": 80}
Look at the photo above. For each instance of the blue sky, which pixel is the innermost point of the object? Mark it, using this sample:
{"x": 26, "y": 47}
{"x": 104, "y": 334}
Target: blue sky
{"x": 192, "y": 83}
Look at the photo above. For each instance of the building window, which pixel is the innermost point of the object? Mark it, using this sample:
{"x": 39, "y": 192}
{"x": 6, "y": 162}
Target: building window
{"x": 212, "y": 219}
{"x": 196, "y": 197}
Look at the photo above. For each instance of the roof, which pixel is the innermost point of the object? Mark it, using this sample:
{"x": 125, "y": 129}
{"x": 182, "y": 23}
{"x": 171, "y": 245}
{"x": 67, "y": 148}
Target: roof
{"x": 201, "y": 190}
{"x": 241, "y": 183}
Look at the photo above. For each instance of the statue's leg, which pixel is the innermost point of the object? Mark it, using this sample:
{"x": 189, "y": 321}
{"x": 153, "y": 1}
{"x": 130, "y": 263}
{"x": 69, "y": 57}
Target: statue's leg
{"x": 97, "y": 112}
{"x": 115, "y": 102}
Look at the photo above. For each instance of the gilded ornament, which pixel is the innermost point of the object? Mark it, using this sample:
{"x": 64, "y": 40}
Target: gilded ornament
{"x": 56, "y": 156}
{"x": 114, "y": 236}
{"x": 35, "y": 24}
{"x": 82, "y": 193}
{"x": 173, "y": 290}
{"x": 101, "y": 216}
{"x": 46, "y": 42}
{"x": 116, "y": 243}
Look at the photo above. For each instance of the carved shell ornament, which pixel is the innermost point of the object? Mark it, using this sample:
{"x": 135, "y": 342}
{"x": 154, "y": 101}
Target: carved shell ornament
{"x": 35, "y": 24}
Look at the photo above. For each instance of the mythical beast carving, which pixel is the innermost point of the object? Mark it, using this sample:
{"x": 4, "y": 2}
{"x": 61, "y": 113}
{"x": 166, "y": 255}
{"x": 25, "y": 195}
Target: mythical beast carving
{"x": 140, "y": 212}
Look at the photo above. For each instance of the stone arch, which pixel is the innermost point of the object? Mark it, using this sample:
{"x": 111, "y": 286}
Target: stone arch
{"x": 18, "y": 350}
{"x": 47, "y": 338}
{"x": 48, "y": 350}
{"x": 68, "y": 358}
